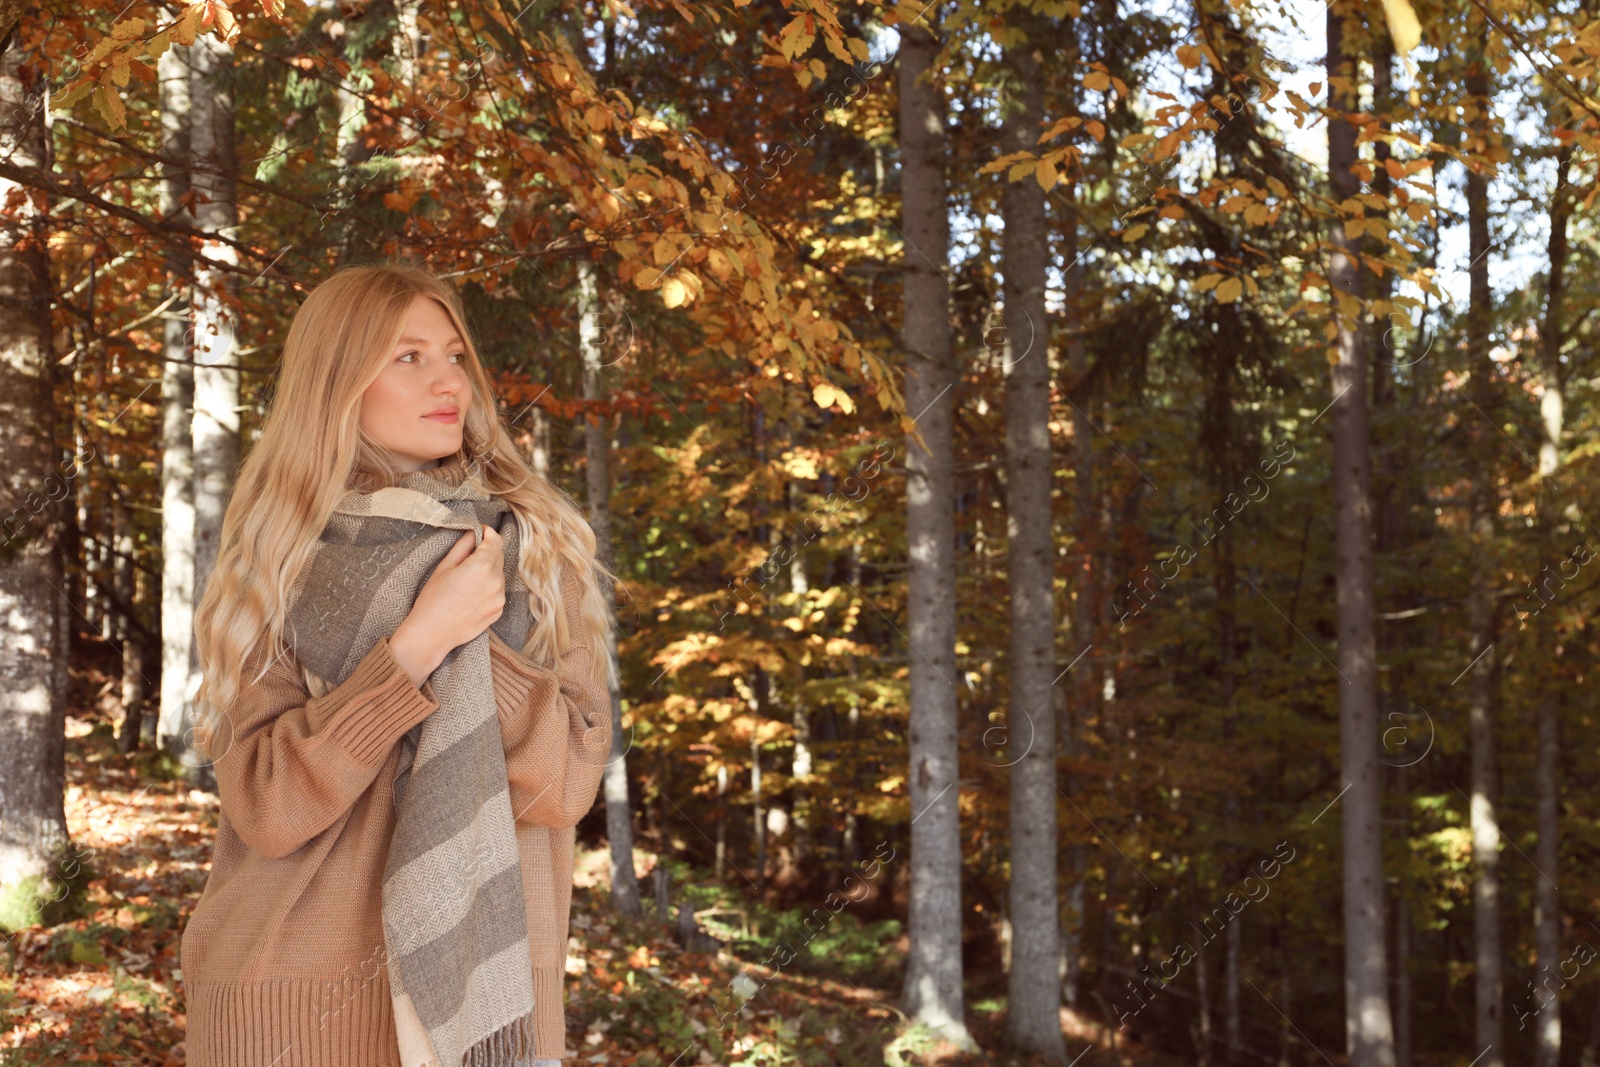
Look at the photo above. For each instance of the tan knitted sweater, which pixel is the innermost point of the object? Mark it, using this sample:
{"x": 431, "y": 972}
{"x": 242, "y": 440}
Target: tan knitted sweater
{"x": 283, "y": 957}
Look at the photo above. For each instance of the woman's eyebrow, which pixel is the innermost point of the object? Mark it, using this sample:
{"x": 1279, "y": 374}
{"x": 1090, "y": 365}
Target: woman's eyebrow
{"x": 455, "y": 339}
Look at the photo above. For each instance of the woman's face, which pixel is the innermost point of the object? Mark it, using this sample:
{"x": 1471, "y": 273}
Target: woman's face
{"x": 408, "y": 409}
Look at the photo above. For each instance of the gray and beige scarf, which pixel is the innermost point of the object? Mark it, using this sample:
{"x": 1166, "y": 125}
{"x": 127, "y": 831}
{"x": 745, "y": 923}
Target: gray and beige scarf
{"x": 454, "y": 918}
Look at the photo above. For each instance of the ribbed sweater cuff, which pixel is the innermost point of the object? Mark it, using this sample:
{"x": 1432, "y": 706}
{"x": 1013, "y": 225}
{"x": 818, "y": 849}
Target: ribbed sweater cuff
{"x": 347, "y": 1023}
{"x": 550, "y": 1027}
{"x": 381, "y": 705}
{"x": 513, "y": 676}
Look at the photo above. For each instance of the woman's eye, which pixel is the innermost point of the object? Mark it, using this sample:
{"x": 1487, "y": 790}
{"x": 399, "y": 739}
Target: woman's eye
{"x": 407, "y": 354}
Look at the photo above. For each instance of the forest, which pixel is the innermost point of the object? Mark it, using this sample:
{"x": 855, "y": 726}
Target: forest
{"x": 1100, "y": 493}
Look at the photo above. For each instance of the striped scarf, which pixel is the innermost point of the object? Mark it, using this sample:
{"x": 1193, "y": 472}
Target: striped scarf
{"x": 454, "y": 918}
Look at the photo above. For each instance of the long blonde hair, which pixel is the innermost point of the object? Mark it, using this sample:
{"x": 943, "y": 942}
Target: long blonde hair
{"x": 311, "y": 450}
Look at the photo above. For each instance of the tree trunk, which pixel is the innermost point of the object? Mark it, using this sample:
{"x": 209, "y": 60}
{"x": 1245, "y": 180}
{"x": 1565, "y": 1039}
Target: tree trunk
{"x": 800, "y": 714}
{"x": 597, "y": 452}
{"x": 216, "y": 379}
{"x": 1033, "y": 1006}
{"x": 1369, "y": 1035}
{"x": 135, "y": 654}
{"x": 33, "y": 822}
{"x": 1481, "y": 622}
{"x": 1547, "y": 772}
{"x": 130, "y": 631}
{"x": 177, "y": 411}
{"x": 932, "y": 994}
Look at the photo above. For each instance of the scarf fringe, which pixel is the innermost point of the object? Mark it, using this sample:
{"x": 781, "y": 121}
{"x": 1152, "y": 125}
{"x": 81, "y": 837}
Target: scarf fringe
{"x": 512, "y": 1043}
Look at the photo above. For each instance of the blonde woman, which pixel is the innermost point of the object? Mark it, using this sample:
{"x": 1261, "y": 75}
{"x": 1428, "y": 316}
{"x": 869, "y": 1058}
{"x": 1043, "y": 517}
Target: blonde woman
{"x": 406, "y": 697}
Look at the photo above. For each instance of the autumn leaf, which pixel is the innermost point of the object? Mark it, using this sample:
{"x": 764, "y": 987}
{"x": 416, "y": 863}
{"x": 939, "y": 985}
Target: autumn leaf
{"x": 674, "y": 293}
{"x": 1045, "y": 174}
{"x": 109, "y": 103}
{"x": 1228, "y": 290}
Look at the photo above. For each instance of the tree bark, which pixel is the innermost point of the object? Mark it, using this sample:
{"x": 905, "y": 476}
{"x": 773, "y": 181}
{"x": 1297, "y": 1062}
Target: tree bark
{"x": 1481, "y": 611}
{"x": 1081, "y": 683}
{"x": 33, "y": 822}
{"x": 1369, "y": 1035}
{"x": 216, "y": 379}
{"x": 1033, "y": 1006}
{"x": 177, "y": 410}
{"x": 932, "y": 994}
{"x": 597, "y": 452}
{"x": 1547, "y": 771}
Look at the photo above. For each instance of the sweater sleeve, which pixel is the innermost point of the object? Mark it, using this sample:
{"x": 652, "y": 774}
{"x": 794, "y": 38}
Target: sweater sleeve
{"x": 288, "y": 765}
{"x": 555, "y": 725}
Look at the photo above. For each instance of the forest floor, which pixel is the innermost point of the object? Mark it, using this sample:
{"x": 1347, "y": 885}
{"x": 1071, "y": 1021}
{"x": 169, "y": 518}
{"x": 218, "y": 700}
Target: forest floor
{"x": 101, "y": 984}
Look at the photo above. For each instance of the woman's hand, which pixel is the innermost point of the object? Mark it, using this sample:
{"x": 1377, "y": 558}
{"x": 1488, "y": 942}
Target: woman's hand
{"x": 461, "y": 599}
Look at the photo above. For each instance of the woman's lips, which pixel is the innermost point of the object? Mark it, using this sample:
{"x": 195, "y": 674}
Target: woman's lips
{"x": 445, "y": 416}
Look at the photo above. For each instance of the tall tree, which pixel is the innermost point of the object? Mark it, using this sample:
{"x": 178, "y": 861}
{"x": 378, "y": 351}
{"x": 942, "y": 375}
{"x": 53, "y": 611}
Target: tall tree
{"x": 177, "y": 405}
{"x": 1487, "y": 981}
{"x": 1369, "y": 1033}
{"x": 932, "y": 994}
{"x": 33, "y": 823}
{"x": 216, "y": 373}
{"x": 1033, "y": 1004}
{"x": 1547, "y": 767}
{"x": 597, "y": 454}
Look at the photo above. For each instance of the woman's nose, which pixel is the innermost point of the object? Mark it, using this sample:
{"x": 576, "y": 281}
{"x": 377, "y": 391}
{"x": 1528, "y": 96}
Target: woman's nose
{"x": 453, "y": 380}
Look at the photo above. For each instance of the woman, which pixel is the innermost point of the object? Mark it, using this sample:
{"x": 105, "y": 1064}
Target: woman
{"x": 404, "y": 647}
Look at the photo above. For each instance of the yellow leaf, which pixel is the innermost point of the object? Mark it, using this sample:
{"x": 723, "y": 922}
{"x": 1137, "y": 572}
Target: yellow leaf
{"x": 72, "y": 94}
{"x": 836, "y": 48}
{"x": 1403, "y": 25}
{"x": 647, "y": 277}
{"x": 109, "y": 103}
{"x": 752, "y": 291}
{"x": 1228, "y": 290}
{"x": 227, "y": 26}
{"x": 819, "y": 68}
{"x": 1207, "y": 281}
{"x": 158, "y": 44}
{"x": 823, "y": 393}
{"x": 790, "y": 36}
{"x": 1133, "y": 233}
{"x": 187, "y": 25}
{"x": 1189, "y": 56}
{"x": 119, "y": 69}
{"x": 1172, "y": 211}
{"x": 1045, "y": 175}
{"x": 1096, "y": 129}
{"x": 1096, "y": 80}
{"x": 803, "y": 76}
{"x": 858, "y": 48}
{"x": 674, "y": 292}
